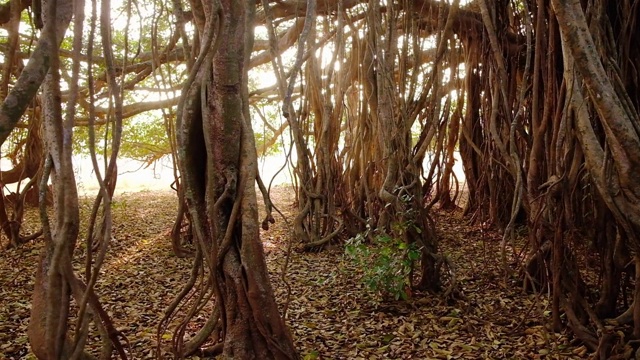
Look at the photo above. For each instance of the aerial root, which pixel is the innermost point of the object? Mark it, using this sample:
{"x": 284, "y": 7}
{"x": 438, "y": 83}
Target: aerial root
{"x": 453, "y": 290}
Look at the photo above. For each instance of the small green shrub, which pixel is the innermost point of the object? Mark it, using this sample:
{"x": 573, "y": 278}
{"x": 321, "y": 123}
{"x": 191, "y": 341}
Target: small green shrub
{"x": 386, "y": 262}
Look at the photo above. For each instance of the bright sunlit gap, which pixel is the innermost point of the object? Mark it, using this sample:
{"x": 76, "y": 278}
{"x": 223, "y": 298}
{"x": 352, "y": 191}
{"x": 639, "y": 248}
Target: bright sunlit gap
{"x": 164, "y": 85}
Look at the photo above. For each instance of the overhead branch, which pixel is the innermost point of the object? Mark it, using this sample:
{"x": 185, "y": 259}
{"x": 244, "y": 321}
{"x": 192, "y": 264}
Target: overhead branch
{"x": 27, "y": 85}
{"x": 286, "y": 41}
{"x": 169, "y": 54}
{"x": 467, "y": 23}
{"x": 284, "y": 10}
{"x": 127, "y": 110}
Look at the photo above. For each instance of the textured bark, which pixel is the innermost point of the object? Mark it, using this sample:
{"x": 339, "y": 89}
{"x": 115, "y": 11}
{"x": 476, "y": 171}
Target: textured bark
{"x": 218, "y": 163}
{"x": 51, "y": 295}
{"x": 619, "y": 125}
{"x": 619, "y": 188}
{"x": 27, "y": 85}
{"x": 55, "y": 278}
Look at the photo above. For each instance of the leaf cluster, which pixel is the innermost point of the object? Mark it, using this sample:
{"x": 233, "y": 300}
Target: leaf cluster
{"x": 143, "y": 140}
{"x": 386, "y": 261}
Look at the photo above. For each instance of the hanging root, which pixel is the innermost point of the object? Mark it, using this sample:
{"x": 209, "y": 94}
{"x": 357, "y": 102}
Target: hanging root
{"x": 185, "y": 293}
{"x": 318, "y": 243}
{"x": 453, "y": 290}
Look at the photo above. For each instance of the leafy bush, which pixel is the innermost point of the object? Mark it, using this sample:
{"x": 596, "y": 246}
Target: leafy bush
{"x": 386, "y": 262}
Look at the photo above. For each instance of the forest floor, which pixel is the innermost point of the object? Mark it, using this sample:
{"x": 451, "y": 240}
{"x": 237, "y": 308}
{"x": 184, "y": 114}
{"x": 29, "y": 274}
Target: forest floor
{"x": 330, "y": 312}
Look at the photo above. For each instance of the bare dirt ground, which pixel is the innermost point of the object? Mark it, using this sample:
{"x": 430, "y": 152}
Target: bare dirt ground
{"x": 329, "y": 311}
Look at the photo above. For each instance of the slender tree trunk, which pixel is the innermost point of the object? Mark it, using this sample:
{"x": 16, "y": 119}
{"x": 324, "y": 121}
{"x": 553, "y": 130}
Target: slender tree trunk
{"x": 51, "y": 295}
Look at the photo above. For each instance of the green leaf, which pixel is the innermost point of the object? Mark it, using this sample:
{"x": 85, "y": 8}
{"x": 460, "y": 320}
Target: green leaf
{"x": 413, "y": 255}
{"x": 312, "y": 355}
{"x": 386, "y": 339}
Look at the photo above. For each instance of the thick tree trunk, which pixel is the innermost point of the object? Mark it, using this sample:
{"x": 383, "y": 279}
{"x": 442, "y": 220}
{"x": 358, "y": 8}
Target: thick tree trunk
{"x": 218, "y": 163}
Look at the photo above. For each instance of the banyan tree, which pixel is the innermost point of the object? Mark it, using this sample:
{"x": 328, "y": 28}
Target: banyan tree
{"x": 540, "y": 99}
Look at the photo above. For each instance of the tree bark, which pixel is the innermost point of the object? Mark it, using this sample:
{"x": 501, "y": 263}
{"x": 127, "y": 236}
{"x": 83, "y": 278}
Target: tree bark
{"x": 218, "y": 162}
{"x": 51, "y": 295}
